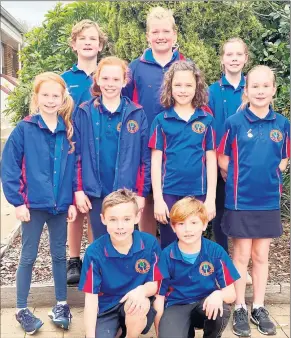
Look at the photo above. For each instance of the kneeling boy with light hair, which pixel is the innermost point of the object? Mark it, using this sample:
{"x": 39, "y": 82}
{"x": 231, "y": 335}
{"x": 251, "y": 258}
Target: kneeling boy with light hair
{"x": 119, "y": 272}
{"x": 198, "y": 278}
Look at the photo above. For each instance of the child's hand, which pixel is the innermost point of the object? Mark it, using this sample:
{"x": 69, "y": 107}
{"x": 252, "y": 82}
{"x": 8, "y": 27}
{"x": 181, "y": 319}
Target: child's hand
{"x": 82, "y": 201}
{"x": 22, "y": 213}
{"x": 140, "y": 202}
{"x": 223, "y": 174}
{"x": 161, "y": 211}
{"x": 210, "y": 208}
{"x": 212, "y": 304}
{"x": 72, "y": 214}
{"x": 136, "y": 301}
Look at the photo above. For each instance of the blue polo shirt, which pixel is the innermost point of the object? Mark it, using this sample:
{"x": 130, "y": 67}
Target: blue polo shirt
{"x": 184, "y": 145}
{"x": 109, "y": 125}
{"x": 224, "y": 101}
{"x": 55, "y": 143}
{"x": 187, "y": 283}
{"x": 78, "y": 84}
{"x": 255, "y": 147}
{"x": 111, "y": 275}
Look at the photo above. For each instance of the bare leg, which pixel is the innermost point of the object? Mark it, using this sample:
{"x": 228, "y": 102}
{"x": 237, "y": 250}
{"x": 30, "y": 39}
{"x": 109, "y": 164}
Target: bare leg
{"x": 135, "y": 324}
{"x": 260, "y": 258}
{"x": 241, "y": 256}
{"x": 148, "y": 222}
{"x": 89, "y": 231}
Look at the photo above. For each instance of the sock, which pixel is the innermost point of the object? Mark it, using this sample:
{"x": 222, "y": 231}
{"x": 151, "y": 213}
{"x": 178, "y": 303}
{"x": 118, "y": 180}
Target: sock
{"x": 238, "y": 306}
{"x": 75, "y": 258}
{"x": 63, "y": 302}
{"x": 256, "y": 306}
{"x": 19, "y": 309}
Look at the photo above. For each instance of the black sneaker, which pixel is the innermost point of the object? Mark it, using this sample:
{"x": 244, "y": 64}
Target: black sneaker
{"x": 240, "y": 323}
{"x": 260, "y": 317}
{"x": 74, "y": 267}
{"x": 28, "y": 321}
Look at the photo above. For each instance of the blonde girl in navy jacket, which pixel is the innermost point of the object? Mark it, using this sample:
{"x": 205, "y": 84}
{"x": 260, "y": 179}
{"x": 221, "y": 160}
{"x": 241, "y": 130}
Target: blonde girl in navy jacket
{"x": 37, "y": 172}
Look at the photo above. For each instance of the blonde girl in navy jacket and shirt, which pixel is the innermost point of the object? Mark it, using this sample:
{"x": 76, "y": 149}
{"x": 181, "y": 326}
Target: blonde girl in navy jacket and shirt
{"x": 254, "y": 151}
{"x": 37, "y": 171}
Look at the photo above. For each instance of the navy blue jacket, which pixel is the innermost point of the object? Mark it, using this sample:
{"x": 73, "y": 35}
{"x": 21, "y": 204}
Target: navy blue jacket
{"x": 26, "y": 168}
{"x": 132, "y": 169}
{"x": 146, "y": 79}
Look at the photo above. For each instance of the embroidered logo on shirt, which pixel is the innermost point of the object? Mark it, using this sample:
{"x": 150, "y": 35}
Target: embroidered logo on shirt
{"x": 206, "y": 268}
{"x": 249, "y": 133}
{"x": 132, "y": 126}
{"x": 142, "y": 266}
{"x": 198, "y": 127}
{"x": 276, "y": 135}
{"x": 118, "y": 128}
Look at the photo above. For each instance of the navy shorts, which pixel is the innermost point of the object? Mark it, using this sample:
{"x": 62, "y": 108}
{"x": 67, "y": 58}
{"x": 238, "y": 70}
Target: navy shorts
{"x": 109, "y": 322}
{"x": 252, "y": 223}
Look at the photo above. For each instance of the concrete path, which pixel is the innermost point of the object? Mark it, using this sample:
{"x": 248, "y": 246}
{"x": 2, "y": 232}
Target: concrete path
{"x": 9, "y": 223}
{"x": 11, "y": 329}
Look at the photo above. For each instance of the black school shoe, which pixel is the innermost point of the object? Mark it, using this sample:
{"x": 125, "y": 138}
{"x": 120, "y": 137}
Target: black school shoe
{"x": 240, "y": 323}
{"x": 74, "y": 267}
{"x": 260, "y": 317}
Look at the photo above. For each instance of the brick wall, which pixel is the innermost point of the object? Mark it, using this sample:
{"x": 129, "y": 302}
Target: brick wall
{"x": 11, "y": 62}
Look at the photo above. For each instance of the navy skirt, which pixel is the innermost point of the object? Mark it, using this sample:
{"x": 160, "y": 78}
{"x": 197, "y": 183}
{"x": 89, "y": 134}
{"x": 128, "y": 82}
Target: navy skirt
{"x": 252, "y": 223}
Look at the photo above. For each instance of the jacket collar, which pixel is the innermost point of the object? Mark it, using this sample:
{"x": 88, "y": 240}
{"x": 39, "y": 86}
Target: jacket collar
{"x": 130, "y": 106}
{"x": 137, "y": 245}
{"x": 253, "y": 118}
{"x": 148, "y": 56}
{"x": 38, "y": 120}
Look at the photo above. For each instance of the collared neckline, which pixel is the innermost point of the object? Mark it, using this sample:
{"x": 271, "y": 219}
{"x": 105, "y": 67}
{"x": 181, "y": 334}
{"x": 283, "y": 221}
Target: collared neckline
{"x": 149, "y": 57}
{"x": 175, "y": 252}
{"x": 60, "y": 125}
{"x": 171, "y": 113}
{"x": 137, "y": 245}
{"x": 75, "y": 69}
{"x": 241, "y": 84}
{"x": 104, "y": 110}
{"x": 253, "y": 118}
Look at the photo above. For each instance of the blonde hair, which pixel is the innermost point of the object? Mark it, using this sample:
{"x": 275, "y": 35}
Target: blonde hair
{"x": 118, "y": 197}
{"x": 200, "y": 97}
{"x": 65, "y": 110}
{"x": 160, "y": 13}
{"x": 186, "y": 207}
{"x": 245, "y": 100}
{"x": 108, "y": 61}
{"x": 78, "y": 28}
{"x": 233, "y": 40}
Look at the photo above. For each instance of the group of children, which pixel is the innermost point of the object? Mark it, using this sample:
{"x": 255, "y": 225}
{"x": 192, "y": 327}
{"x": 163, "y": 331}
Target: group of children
{"x": 129, "y": 146}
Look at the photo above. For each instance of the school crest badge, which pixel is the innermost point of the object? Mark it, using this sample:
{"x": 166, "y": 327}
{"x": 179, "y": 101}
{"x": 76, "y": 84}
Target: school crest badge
{"x": 132, "y": 126}
{"x": 198, "y": 127}
{"x": 142, "y": 266}
{"x": 118, "y": 127}
{"x": 276, "y": 135}
{"x": 206, "y": 268}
